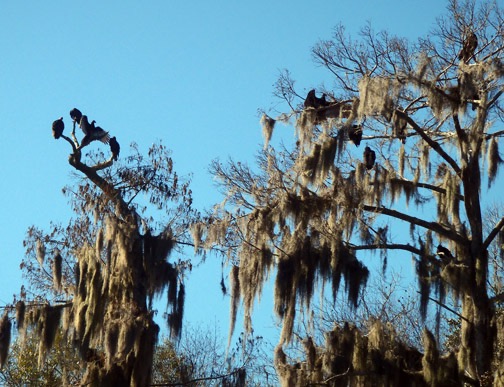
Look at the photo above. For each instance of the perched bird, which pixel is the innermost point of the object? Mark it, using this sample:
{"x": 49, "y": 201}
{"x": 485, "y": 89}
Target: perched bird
{"x": 76, "y": 115}
{"x": 369, "y": 157}
{"x": 355, "y": 134}
{"x": 97, "y": 134}
{"x": 399, "y": 127}
{"x": 469, "y": 45}
{"x": 84, "y": 124}
{"x": 314, "y": 102}
{"x": 57, "y": 128}
{"x": 444, "y": 254}
{"x": 114, "y": 148}
{"x": 92, "y": 132}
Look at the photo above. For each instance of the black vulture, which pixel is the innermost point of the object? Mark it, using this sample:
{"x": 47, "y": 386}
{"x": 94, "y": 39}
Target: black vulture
{"x": 314, "y": 102}
{"x": 114, "y": 148}
{"x": 355, "y": 134}
{"x": 469, "y": 45}
{"x": 369, "y": 157}
{"x": 76, "y": 115}
{"x": 57, "y": 128}
{"x": 444, "y": 254}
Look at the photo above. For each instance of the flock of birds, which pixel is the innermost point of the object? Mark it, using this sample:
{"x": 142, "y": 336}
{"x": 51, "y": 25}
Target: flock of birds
{"x": 469, "y": 45}
{"x": 90, "y": 130}
{"x": 354, "y": 133}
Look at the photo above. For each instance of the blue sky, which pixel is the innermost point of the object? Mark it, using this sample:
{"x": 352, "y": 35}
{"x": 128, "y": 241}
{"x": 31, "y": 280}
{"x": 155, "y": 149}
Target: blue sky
{"x": 190, "y": 73}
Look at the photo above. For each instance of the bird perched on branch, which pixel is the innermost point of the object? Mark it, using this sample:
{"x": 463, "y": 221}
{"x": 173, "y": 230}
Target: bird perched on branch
{"x": 314, "y": 102}
{"x": 76, "y": 115}
{"x": 444, "y": 254}
{"x": 114, "y": 148}
{"x": 369, "y": 157}
{"x": 57, "y": 128}
{"x": 355, "y": 134}
{"x": 92, "y": 133}
{"x": 469, "y": 46}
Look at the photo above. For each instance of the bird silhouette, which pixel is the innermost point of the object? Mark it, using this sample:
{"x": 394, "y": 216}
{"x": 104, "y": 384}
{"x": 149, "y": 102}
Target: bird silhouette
{"x": 92, "y": 132}
{"x": 369, "y": 157}
{"x": 114, "y": 148}
{"x": 314, "y": 102}
{"x": 57, "y": 128}
{"x": 76, "y": 115}
{"x": 469, "y": 46}
{"x": 355, "y": 134}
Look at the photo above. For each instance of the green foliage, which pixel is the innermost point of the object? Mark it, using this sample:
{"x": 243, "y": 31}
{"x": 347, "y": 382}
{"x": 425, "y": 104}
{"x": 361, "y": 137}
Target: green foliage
{"x": 61, "y": 365}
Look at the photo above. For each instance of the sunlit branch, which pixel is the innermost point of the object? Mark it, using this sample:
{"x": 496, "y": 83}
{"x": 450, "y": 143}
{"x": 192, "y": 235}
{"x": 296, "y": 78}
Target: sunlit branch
{"x": 433, "y": 226}
{"x": 426, "y": 186}
{"x": 433, "y": 144}
{"x": 107, "y": 188}
{"x": 70, "y": 141}
{"x": 76, "y": 142}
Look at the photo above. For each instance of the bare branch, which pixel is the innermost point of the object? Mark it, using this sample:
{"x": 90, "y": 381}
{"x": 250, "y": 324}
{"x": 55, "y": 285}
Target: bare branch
{"x": 433, "y": 226}
{"x": 498, "y": 227}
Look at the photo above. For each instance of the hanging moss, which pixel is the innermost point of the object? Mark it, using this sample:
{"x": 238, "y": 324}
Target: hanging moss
{"x": 176, "y": 316}
{"x": 422, "y": 271}
{"x": 196, "y": 230}
{"x": 111, "y": 342}
{"x": 267, "y": 124}
{"x": 304, "y": 125}
{"x": 99, "y": 242}
{"x": 356, "y": 276}
{"x": 401, "y": 158}
{"x": 493, "y": 160}
{"x": 284, "y": 284}
{"x": 430, "y": 360}
{"x": 48, "y": 325}
{"x": 41, "y": 251}
{"x": 235, "y": 297}
{"x": 326, "y": 158}
{"x": 57, "y": 271}
{"x": 5, "y": 336}
{"x": 20, "y": 315}
{"x": 376, "y": 96}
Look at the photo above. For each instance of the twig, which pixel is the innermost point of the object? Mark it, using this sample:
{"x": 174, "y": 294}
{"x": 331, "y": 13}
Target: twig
{"x": 448, "y": 309}
{"x": 198, "y": 379}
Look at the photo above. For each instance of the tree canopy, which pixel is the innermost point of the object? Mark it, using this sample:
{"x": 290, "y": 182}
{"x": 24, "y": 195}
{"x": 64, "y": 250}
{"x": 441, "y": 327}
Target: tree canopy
{"x": 429, "y": 115}
{"x": 97, "y": 276}
{"x": 398, "y": 156}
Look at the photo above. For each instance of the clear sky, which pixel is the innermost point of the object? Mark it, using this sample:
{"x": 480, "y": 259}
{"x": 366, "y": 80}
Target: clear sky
{"x": 190, "y": 73}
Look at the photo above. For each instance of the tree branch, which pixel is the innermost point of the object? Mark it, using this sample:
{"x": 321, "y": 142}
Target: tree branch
{"x": 426, "y": 186}
{"x": 433, "y": 226}
{"x": 448, "y": 309}
{"x": 493, "y": 234}
{"x": 389, "y": 246}
{"x": 433, "y": 144}
{"x": 108, "y": 189}
{"x": 189, "y": 382}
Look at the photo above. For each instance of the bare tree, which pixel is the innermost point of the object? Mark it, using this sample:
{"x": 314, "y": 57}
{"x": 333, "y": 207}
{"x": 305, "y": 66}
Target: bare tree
{"x": 97, "y": 276}
{"x": 430, "y": 114}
